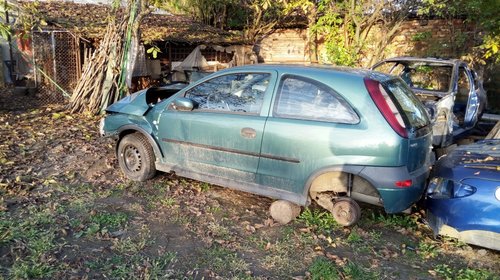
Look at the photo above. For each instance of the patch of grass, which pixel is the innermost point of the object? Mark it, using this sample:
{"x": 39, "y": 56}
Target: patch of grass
{"x": 79, "y": 205}
{"x": 354, "y": 238}
{"x": 31, "y": 270}
{"x": 306, "y": 239}
{"x": 427, "y": 249}
{"x": 318, "y": 220}
{"x": 104, "y": 222}
{"x": 224, "y": 262}
{"x": 132, "y": 245}
{"x": 180, "y": 218}
{"x": 257, "y": 241}
{"x": 446, "y": 272}
{"x": 205, "y": 187}
{"x": 218, "y": 230}
{"x": 283, "y": 256}
{"x": 32, "y": 235}
{"x": 323, "y": 269}
{"x": 168, "y": 202}
{"x": 214, "y": 209}
{"x": 159, "y": 268}
{"x": 376, "y": 235}
{"x": 133, "y": 267}
{"x": 116, "y": 267}
{"x": 356, "y": 272}
{"x": 6, "y": 225}
{"x": 453, "y": 242}
{"x": 395, "y": 220}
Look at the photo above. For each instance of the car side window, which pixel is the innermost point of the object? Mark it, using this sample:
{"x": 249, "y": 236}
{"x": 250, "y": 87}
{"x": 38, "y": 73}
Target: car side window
{"x": 302, "y": 98}
{"x": 241, "y": 93}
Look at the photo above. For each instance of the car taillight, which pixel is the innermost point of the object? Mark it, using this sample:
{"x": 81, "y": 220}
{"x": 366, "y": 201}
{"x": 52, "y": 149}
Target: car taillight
{"x": 403, "y": 184}
{"x": 386, "y": 106}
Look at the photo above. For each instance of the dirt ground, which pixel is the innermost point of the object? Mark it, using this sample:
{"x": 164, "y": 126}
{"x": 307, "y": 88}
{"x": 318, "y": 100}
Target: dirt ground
{"x": 66, "y": 212}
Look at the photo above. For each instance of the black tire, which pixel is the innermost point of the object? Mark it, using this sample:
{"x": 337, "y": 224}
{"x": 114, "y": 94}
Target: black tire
{"x": 136, "y": 157}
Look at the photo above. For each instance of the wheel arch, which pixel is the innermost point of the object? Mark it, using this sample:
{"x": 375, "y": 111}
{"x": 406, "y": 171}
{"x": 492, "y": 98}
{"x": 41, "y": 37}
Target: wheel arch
{"x": 129, "y": 129}
{"x": 359, "y": 182}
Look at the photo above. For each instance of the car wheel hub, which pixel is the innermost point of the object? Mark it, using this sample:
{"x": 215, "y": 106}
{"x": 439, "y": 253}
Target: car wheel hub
{"x": 345, "y": 211}
{"x": 132, "y": 158}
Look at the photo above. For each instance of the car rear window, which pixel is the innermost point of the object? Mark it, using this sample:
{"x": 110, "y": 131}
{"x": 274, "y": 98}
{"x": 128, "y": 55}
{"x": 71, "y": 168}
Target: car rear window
{"x": 412, "y": 109}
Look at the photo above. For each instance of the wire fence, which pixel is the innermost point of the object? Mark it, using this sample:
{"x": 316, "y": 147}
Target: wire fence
{"x": 56, "y": 60}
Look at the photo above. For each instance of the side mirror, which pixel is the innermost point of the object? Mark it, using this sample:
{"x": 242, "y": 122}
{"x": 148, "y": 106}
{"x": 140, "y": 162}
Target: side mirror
{"x": 182, "y": 104}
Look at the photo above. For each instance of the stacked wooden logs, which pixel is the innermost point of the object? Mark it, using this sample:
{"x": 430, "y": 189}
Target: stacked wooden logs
{"x": 98, "y": 86}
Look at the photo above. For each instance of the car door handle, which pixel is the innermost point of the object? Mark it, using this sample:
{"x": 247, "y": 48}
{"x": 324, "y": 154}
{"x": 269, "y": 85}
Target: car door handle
{"x": 248, "y": 132}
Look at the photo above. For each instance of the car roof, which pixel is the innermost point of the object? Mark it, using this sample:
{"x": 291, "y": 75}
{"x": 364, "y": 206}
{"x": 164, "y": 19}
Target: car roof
{"x": 421, "y": 59}
{"x": 478, "y": 160}
{"x": 308, "y": 67}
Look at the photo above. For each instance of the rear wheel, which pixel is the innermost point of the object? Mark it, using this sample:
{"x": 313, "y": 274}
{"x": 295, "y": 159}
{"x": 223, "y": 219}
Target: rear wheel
{"x": 136, "y": 157}
{"x": 346, "y": 211}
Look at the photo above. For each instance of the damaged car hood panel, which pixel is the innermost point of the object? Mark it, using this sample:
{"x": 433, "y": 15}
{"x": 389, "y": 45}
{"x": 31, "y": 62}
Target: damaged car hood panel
{"x": 134, "y": 104}
{"x": 479, "y": 160}
{"x": 139, "y": 103}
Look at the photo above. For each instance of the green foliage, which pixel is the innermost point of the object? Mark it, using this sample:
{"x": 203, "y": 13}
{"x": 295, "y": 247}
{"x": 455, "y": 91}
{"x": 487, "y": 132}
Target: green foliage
{"x": 427, "y": 250}
{"x": 318, "y": 220}
{"x": 395, "y": 220}
{"x": 357, "y": 272}
{"x": 211, "y": 12}
{"x": 342, "y": 47}
{"x": 224, "y": 261}
{"x": 262, "y": 17}
{"x": 446, "y": 272}
{"x": 104, "y": 222}
{"x": 354, "y": 237}
{"x": 4, "y": 30}
{"x": 345, "y": 27}
{"x": 132, "y": 266}
{"x": 205, "y": 187}
{"x": 30, "y": 17}
{"x": 483, "y": 13}
{"x": 154, "y": 50}
{"x": 36, "y": 234}
{"x": 323, "y": 269}
{"x": 421, "y": 36}
{"x": 491, "y": 47}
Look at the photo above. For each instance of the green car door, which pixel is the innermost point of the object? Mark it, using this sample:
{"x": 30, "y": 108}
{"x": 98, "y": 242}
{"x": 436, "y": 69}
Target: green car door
{"x": 222, "y": 135}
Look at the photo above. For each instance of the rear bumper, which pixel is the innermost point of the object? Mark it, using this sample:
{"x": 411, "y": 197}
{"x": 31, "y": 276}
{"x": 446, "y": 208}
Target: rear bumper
{"x": 396, "y": 199}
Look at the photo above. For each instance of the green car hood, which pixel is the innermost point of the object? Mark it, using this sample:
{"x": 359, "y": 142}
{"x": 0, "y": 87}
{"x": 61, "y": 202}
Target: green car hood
{"x": 134, "y": 104}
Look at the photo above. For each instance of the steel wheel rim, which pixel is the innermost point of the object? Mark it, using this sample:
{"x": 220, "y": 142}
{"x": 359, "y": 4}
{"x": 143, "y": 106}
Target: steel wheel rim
{"x": 132, "y": 158}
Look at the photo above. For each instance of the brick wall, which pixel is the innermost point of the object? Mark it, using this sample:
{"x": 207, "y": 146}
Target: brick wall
{"x": 416, "y": 37}
{"x": 283, "y": 46}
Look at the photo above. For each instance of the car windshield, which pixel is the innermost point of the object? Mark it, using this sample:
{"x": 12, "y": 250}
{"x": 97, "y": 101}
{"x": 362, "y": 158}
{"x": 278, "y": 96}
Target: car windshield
{"x": 412, "y": 108}
{"x": 421, "y": 75}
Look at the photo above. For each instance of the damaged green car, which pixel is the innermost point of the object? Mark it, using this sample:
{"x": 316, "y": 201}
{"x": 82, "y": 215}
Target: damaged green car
{"x": 336, "y": 136}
